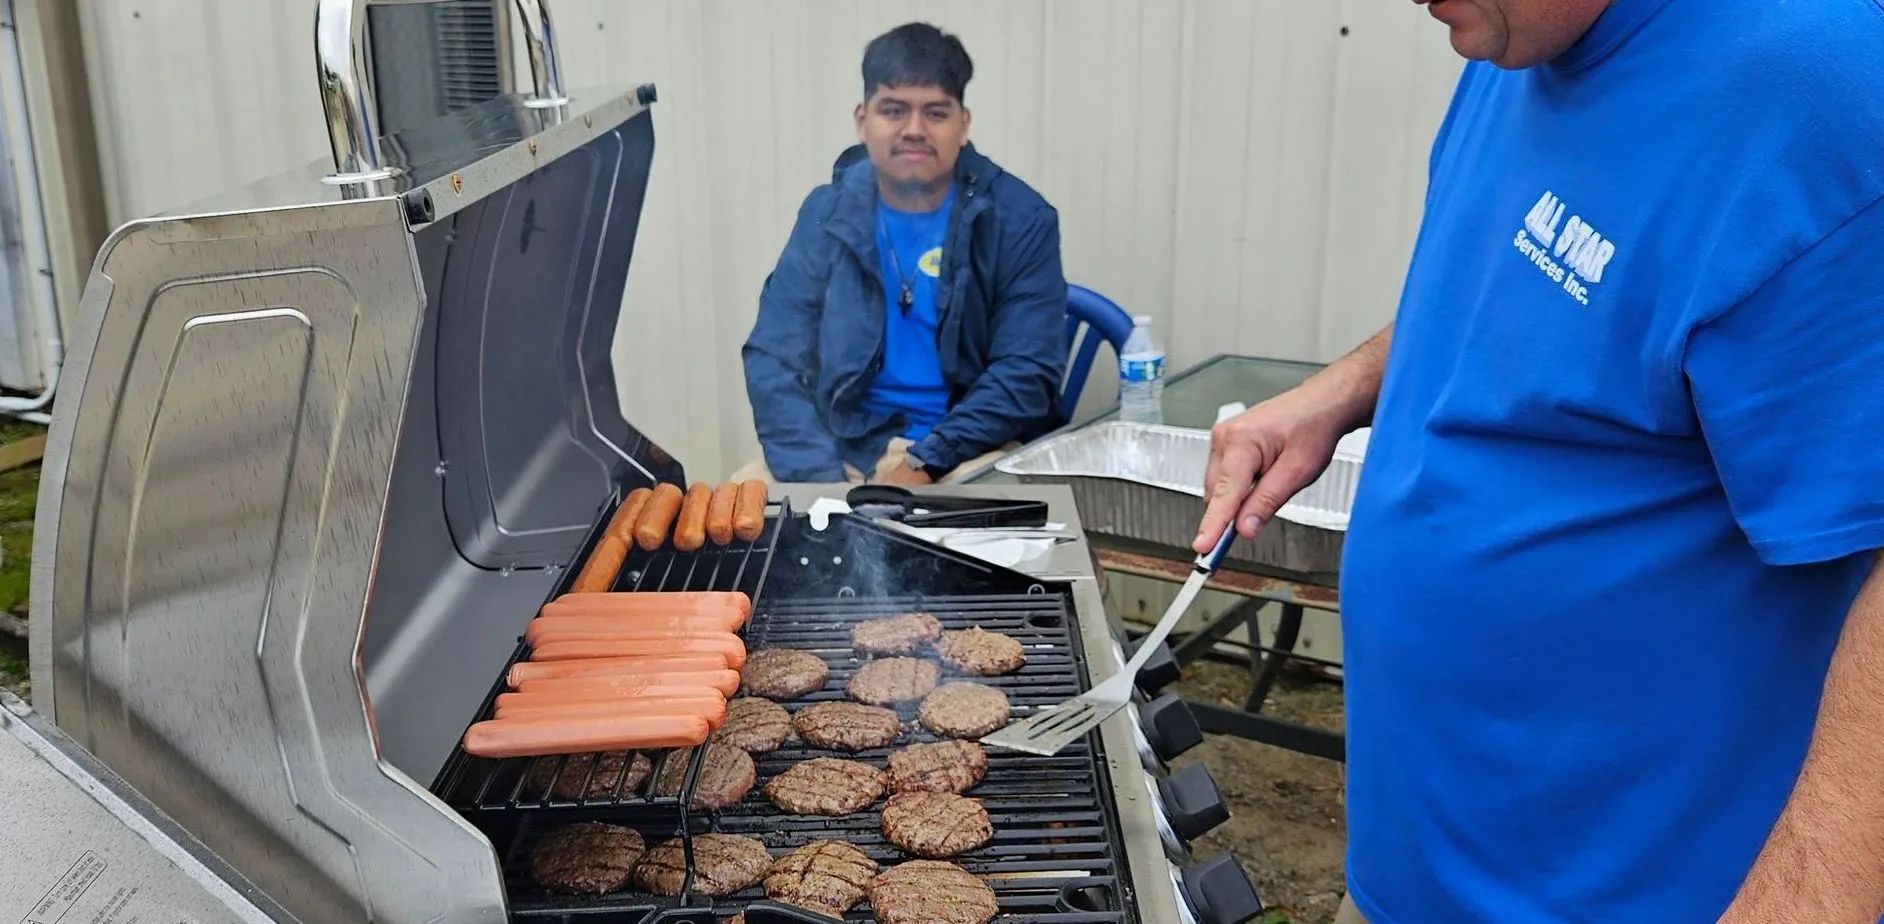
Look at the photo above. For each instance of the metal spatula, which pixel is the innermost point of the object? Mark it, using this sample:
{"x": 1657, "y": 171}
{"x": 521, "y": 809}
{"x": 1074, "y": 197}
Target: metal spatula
{"x": 1055, "y": 727}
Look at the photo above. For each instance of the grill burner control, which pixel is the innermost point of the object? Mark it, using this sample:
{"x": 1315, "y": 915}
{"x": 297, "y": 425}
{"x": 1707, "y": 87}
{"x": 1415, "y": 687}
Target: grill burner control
{"x": 1192, "y": 802}
{"x": 1170, "y": 726}
{"x": 1159, "y": 672}
{"x": 1220, "y": 891}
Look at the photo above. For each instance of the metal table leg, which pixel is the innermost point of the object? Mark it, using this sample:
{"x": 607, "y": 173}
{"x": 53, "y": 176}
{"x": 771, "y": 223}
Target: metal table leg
{"x": 1266, "y": 666}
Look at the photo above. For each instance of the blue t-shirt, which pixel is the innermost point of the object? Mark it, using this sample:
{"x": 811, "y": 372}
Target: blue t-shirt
{"x": 1627, "y": 456}
{"x": 909, "y": 252}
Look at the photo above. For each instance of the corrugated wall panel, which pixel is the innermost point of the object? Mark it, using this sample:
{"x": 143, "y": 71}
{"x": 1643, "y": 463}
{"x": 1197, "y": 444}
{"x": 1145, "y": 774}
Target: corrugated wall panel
{"x": 1245, "y": 172}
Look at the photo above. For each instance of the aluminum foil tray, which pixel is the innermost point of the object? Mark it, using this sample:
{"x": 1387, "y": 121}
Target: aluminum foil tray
{"x": 1144, "y": 482}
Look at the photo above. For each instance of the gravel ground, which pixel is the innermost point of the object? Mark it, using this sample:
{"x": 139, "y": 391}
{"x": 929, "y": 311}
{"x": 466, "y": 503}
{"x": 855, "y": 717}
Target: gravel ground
{"x": 1287, "y": 820}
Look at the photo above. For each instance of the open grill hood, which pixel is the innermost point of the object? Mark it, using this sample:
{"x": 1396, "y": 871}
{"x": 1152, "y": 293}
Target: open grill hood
{"x": 303, "y": 425}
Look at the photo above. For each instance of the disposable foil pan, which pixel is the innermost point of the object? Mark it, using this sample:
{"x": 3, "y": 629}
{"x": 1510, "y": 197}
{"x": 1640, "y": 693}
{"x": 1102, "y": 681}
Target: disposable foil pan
{"x": 1144, "y": 482}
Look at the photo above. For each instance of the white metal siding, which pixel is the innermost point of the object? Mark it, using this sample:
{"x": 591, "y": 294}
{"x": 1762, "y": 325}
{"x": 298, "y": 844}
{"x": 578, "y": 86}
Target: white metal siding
{"x": 1244, "y": 171}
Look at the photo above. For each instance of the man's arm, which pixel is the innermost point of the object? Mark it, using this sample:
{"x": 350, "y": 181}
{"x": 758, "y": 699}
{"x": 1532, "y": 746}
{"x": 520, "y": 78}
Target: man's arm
{"x": 1287, "y": 441}
{"x": 782, "y": 365}
{"x": 1028, "y": 356}
{"x": 1824, "y": 861}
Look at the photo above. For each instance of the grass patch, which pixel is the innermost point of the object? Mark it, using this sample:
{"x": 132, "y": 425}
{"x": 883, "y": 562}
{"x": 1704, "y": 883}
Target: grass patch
{"x": 19, "y": 494}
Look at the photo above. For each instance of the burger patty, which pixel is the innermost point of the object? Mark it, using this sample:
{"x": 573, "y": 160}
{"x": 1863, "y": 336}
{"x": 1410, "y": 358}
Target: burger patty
{"x": 722, "y": 864}
{"x": 895, "y": 635}
{"x": 943, "y": 766}
{"x": 977, "y": 651}
{"x": 829, "y": 877}
{"x": 935, "y": 824}
{"x": 963, "y": 710}
{"x": 826, "y": 786}
{"x": 781, "y": 673}
{"x": 589, "y": 857}
{"x": 847, "y": 726}
{"x": 569, "y": 782}
{"x": 931, "y": 892}
{"x": 754, "y": 725}
{"x": 888, "y": 681}
{"x": 726, "y": 775}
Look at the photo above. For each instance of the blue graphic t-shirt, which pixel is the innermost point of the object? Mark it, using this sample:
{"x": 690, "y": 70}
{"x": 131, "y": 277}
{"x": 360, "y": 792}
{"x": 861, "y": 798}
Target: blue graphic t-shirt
{"x": 1627, "y": 463}
{"x": 909, "y": 256}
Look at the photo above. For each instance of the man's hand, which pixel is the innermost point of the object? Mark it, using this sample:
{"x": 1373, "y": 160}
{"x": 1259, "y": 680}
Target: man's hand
{"x": 1282, "y": 445}
{"x": 906, "y": 476}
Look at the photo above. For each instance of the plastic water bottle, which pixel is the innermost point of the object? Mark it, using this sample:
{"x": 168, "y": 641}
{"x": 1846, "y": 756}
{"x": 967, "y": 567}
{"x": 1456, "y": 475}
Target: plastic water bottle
{"x": 1141, "y": 376}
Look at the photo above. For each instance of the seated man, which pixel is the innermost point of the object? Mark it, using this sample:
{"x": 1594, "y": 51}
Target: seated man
{"x": 914, "y": 324}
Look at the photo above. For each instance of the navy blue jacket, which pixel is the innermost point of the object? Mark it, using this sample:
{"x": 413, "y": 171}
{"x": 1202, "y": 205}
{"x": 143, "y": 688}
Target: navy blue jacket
{"x": 818, "y": 342}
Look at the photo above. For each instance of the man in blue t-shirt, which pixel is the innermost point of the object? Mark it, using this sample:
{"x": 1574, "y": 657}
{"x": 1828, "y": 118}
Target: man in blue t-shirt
{"x": 1613, "y": 622}
{"x": 914, "y": 326}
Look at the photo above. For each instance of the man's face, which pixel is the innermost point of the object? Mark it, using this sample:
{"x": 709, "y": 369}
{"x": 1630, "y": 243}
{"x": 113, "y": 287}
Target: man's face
{"x": 913, "y": 134}
{"x": 1515, "y": 33}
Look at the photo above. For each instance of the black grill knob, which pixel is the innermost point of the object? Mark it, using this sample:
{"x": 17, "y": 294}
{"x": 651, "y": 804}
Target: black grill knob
{"x": 1159, "y": 672}
{"x": 1170, "y": 726}
{"x": 1220, "y": 891}
{"x": 1192, "y": 802}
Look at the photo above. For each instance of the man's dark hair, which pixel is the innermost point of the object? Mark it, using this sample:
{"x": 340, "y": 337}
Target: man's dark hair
{"x": 917, "y": 55}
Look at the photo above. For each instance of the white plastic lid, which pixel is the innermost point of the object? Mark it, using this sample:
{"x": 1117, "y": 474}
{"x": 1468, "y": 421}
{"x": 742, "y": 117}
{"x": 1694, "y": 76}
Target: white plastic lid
{"x": 1141, "y": 320}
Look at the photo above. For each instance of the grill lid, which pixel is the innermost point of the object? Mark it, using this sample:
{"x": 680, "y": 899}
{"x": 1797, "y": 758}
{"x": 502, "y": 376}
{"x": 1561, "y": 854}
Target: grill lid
{"x": 321, "y": 437}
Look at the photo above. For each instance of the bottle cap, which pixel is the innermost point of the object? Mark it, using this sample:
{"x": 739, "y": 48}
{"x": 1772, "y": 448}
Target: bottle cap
{"x": 1141, "y": 320}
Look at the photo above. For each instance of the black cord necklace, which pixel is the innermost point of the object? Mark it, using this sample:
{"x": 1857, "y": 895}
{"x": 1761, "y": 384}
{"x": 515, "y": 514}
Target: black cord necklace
{"x": 908, "y": 297}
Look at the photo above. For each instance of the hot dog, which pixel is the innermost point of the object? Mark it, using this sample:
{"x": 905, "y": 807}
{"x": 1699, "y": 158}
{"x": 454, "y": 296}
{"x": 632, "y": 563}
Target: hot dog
{"x": 531, "y": 737}
{"x": 719, "y": 518}
{"x": 679, "y": 601}
{"x": 749, "y": 511}
{"x": 598, "y": 573}
{"x": 723, "y": 618}
{"x": 690, "y": 532}
{"x": 588, "y": 667}
{"x": 721, "y": 643}
{"x": 722, "y": 680}
{"x": 700, "y": 701}
{"x": 658, "y": 517}
{"x": 648, "y": 626}
{"x": 622, "y": 524}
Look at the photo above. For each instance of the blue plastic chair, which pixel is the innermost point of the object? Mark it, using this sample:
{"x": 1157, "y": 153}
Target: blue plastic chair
{"x": 1090, "y": 318}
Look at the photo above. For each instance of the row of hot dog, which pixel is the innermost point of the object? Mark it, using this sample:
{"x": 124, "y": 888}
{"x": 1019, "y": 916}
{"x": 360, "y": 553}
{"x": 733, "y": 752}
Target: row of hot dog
{"x": 732, "y": 511}
{"x": 618, "y": 671}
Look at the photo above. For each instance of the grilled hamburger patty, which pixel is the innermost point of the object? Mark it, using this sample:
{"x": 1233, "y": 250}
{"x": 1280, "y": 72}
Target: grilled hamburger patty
{"x": 826, "y": 786}
{"x": 943, "y": 766}
{"x": 726, "y": 775}
{"x": 754, "y": 725}
{"x": 935, "y": 824}
{"x": 722, "y": 864}
{"x": 931, "y": 892}
{"x": 569, "y": 782}
{"x": 887, "y": 681}
{"x": 781, "y": 673}
{"x": 829, "y": 877}
{"x": 895, "y": 635}
{"x": 847, "y": 726}
{"x": 963, "y": 710}
{"x": 977, "y": 651}
{"x": 589, "y": 857}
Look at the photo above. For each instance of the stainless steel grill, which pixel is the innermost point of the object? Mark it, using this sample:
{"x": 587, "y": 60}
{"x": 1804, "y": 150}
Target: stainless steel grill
{"x": 325, "y": 446}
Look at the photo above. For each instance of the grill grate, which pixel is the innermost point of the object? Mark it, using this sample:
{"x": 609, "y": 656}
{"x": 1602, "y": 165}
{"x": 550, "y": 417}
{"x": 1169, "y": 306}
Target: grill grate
{"x": 478, "y": 784}
{"x": 1056, "y": 850}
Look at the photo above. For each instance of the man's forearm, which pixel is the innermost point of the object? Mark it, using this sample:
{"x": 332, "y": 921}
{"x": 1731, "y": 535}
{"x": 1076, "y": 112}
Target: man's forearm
{"x": 1821, "y": 863}
{"x": 1350, "y": 386}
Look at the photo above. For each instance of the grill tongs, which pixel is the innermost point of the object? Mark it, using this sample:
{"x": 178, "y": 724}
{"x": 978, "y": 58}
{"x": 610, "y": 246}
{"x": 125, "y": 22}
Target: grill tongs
{"x": 889, "y": 502}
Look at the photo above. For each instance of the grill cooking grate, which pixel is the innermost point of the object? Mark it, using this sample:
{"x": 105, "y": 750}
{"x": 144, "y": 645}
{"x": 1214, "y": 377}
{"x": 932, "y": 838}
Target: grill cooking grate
{"x": 1056, "y": 849}
{"x": 479, "y": 784}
